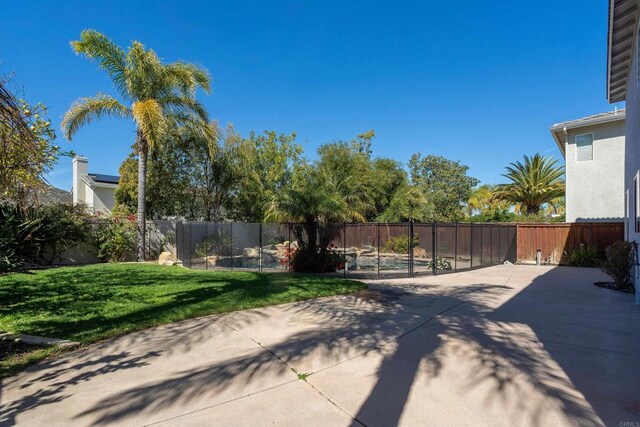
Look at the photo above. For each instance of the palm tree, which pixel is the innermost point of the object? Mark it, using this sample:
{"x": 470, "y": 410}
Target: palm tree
{"x": 482, "y": 201}
{"x": 533, "y": 183}
{"x": 155, "y": 95}
{"x": 313, "y": 203}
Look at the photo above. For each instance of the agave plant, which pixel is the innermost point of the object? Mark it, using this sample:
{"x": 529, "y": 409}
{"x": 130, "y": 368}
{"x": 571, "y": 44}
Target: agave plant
{"x": 154, "y": 95}
{"x": 533, "y": 183}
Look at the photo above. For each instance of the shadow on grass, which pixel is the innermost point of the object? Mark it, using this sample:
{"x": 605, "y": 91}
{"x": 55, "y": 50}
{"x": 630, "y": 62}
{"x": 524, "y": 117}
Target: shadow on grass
{"x": 90, "y": 303}
{"x": 414, "y": 332}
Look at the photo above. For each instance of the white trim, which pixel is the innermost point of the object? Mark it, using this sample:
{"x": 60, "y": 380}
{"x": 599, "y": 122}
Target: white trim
{"x": 636, "y": 202}
{"x": 95, "y": 184}
{"x": 593, "y": 140}
{"x": 627, "y": 226}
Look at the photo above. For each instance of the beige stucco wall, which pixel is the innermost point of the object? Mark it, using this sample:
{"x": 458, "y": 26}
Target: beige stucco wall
{"x": 595, "y": 189}
{"x": 103, "y": 199}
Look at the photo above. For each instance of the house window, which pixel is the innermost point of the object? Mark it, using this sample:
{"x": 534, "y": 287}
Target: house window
{"x": 584, "y": 147}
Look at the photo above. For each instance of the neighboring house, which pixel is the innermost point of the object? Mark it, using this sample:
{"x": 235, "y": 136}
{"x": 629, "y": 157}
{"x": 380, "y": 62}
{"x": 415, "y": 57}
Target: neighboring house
{"x": 49, "y": 195}
{"x": 593, "y": 149}
{"x": 623, "y": 84}
{"x": 93, "y": 189}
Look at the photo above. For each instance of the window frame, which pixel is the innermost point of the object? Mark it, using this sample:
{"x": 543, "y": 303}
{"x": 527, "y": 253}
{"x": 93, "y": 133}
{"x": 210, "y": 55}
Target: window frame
{"x": 593, "y": 139}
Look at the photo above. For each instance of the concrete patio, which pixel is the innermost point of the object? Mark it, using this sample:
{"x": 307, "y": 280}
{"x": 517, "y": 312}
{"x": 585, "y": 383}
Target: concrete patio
{"x": 506, "y": 345}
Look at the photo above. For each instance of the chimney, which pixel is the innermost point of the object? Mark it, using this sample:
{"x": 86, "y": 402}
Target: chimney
{"x": 80, "y": 167}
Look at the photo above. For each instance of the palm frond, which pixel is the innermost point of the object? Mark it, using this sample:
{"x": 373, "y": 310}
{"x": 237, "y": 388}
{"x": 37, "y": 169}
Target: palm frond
{"x": 533, "y": 183}
{"x": 150, "y": 119}
{"x": 184, "y": 104}
{"x": 145, "y": 73}
{"x": 188, "y": 77}
{"x": 109, "y": 56}
{"x": 86, "y": 110}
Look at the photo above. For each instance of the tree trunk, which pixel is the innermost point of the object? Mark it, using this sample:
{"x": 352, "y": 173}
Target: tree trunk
{"x": 533, "y": 210}
{"x": 143, "y": 150}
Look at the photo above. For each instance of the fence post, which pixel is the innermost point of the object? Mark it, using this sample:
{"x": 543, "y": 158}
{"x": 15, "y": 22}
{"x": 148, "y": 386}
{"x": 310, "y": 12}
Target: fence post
{"x": 179, "y": 240}
{"x": 410, "y": 254}
{"x": 481, "y": 248}
{"x": 500, "y": 244}
{"x": 378, "y": 243}
{"x": 471, "y": 248}
{"x": 289, "y": 248}
{"x": 434, "y": 252}
{"x": 455, "y": 250}
{"x": 207, "y": 246}
{"x": 491, "y": 245}
{"x": 231, "y": 247}
{"x": 516, "y": 237}
{"x": 260, "y": 247}
{"x": 190, "y": 244}
{"x": 344, "y": 247}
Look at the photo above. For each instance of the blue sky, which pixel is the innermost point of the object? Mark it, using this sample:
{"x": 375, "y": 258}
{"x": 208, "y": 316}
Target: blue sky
{"x": 476, "y": 81}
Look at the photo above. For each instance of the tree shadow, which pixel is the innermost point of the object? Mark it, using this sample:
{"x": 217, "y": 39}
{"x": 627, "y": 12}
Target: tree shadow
{"x": 524, "y": 357}
{"x": 501, "y": 334}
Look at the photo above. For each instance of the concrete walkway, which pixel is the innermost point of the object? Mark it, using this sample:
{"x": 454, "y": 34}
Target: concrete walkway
{"x": 507, "y": 345}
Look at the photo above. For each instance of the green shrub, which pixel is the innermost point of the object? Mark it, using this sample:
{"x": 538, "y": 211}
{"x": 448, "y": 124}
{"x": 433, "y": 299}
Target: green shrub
{"x": 116, "y": 237}
{"x": 304, "y": 260}
{"x": 17, "y": 248}
{"x": 400, "y": 244}
{"x": 618, "y": 263}
{"x": 214, "y": 244}
{"x": 585, "y": 256}
{"x": 38, "y": 235}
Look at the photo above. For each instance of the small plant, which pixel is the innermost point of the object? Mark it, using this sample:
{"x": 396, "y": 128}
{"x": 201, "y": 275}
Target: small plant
{"x": 303, "y": 376}
{"x": 214, "y": 244}
{"x": 441, "y": 264}
{"x": 585, "y": 256}
{"x": 618, "y": 263}
{"x": 400, "y": 244}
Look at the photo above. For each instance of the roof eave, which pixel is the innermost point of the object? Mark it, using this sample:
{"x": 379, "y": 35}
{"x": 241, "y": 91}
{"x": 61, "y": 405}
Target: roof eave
{"x": 623, "y": 16}
{"x": 560, "y": 144}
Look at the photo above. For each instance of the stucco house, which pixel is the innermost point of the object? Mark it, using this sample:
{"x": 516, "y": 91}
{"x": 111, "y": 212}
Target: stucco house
{"x": 623, "y": 84}
{"x": 96, "y": 191}
{"x": 593, "y": 149}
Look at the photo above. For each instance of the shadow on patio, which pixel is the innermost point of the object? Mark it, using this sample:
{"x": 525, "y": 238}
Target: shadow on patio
{"x": 558, "y": 347}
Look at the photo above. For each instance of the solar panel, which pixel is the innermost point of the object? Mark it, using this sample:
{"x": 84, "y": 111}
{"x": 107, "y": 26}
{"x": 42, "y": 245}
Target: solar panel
{"x": 109, "y": 179}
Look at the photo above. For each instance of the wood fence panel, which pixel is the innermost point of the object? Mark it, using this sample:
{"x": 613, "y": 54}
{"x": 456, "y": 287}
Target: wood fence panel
{"x": 558, "y": 241}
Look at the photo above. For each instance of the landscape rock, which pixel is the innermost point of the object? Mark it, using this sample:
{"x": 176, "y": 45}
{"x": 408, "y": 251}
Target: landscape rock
{"x": 165, "y": 257}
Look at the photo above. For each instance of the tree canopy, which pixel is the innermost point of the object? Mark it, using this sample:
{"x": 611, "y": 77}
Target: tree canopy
{"x": 536, "y": 181}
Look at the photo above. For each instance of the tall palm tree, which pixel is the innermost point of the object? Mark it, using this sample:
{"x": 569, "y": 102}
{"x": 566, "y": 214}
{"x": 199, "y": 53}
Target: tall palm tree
{"x": 533, "y": 183}
{"x": 155, "y": 95}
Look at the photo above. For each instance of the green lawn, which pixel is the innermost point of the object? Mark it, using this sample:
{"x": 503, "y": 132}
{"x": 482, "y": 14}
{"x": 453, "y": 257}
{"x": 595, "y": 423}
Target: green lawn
{"x": 91, "y": 303}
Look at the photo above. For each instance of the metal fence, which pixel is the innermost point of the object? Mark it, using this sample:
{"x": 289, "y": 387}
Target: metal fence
{"x": 369, "y": 249}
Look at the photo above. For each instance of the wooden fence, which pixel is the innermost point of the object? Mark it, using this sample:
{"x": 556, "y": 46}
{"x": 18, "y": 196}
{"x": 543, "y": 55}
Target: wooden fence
{"x": 558, "y": 241}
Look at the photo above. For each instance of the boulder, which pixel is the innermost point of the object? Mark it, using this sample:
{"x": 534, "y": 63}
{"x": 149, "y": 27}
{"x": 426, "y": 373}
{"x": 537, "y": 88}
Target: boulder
{"x": 419, "y": 252}
{"x": 252, "y": 252}
{"x": 166, "y": 257}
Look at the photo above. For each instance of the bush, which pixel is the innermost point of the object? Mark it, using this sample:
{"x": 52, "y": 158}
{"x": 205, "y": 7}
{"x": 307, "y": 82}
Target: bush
{"x": 400, "y": 244}
{"x": 304, "y": 260}
{"x": 214, "y": 244}
{"x": 618, "y": 263}
{"x": 585, "y": 256}
{"x": 116, "y": 237}
{"x": 39, "y": 235}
